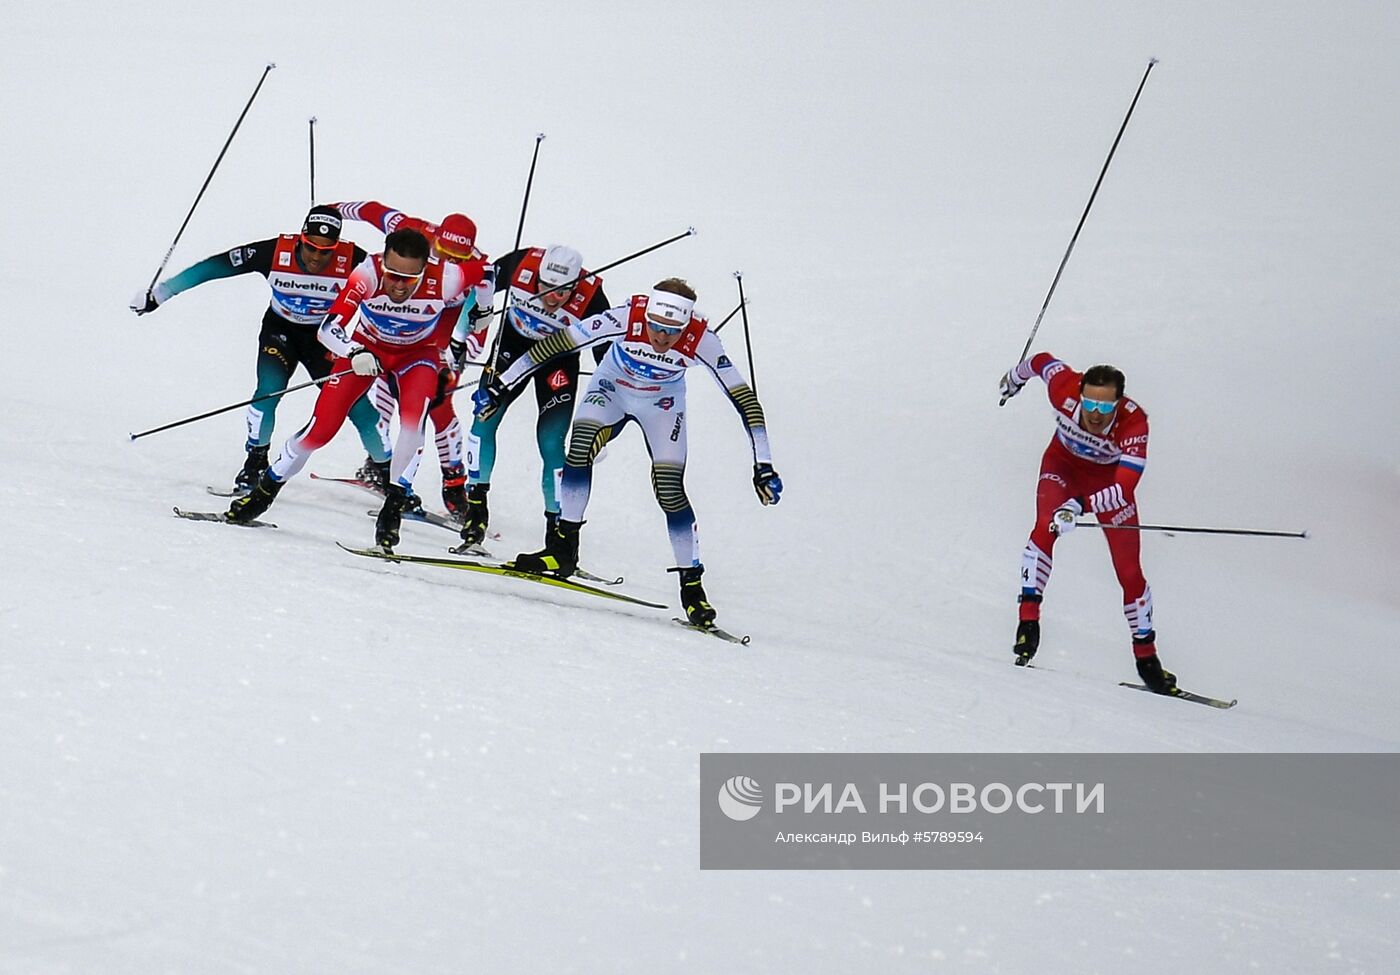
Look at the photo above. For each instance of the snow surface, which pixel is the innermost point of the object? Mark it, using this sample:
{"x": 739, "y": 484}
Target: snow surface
{"x": 233, "y": 751}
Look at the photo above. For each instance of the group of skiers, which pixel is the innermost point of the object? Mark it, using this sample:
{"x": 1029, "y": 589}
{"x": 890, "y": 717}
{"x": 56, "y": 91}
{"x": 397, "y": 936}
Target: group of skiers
{"x": 395, "y": 330}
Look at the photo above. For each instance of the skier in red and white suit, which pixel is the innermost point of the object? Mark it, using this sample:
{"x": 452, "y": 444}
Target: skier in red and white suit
{"x": 1093, "y": 464}
{"x": 454, "y": 239}
{"x": 400, "y": 296}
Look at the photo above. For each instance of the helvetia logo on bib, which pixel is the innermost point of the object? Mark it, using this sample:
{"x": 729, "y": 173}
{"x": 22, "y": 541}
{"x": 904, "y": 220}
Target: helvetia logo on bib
{"x": 740, "y": 798}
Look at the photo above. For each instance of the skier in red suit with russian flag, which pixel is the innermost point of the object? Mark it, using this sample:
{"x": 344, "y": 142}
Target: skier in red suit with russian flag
{"x": 1092, "y": 465}
{"x": 453, "y": 239}
{"x": 400, "y": 298}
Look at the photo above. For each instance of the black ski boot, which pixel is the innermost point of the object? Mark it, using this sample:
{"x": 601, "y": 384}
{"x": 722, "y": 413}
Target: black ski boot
{"x": 454, "y": 491}
{"x": 386, "y": 526}
{"x": 559, "y": 557}
{"x": 697, "y": 608}
{"x": 1150, "y": 669}
{"x": 374, "y": 473}
{"x": 1027, "y": 641}
{"x": 475, "y": 517}
{"x": 551, "y": 525}
{"x": 256, "y": 501}
{"x": 253, "y": 469}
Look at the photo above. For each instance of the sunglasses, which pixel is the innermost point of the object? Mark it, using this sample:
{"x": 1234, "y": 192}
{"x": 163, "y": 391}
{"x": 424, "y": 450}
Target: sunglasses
{"x": 390, "y": 275}
{"x": 452, "y": 255}
{"x": 1098, "y": 405}
{"x": 656, "y": 326}
{"x": 317, "y": 247}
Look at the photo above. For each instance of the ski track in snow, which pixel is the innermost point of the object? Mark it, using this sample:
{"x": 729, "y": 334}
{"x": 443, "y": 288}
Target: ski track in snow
{"x": 246, "y": 751}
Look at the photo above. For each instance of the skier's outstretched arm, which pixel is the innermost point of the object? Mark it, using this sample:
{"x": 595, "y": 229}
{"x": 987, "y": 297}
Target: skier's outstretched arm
{"x": 245, "y": 259}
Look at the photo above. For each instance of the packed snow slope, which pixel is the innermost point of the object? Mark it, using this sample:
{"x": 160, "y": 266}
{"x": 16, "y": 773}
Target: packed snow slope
{"x": 246, "y": 751}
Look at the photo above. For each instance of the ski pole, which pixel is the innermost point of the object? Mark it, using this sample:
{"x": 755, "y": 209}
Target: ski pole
{"x": 519, "y": 233}
{"x": 311, "y": 126}
{"x": 716, "y": 329}
{"x": 688, "y": 232}
{"x": 728, "y": 317}
{"x": 748, "y": 347}
{"x": 1199, "y": 531}
{"x": 179, "y": 233}
{"x": 529, "y": 182}
{"x": 247, "y": 402}
{"x": 1085, "y": 215}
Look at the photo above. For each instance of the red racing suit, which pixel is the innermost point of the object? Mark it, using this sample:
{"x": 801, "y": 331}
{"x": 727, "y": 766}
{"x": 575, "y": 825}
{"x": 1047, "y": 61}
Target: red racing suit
{"x": 1102, "y": 474}
{"x": 406, "y": 337}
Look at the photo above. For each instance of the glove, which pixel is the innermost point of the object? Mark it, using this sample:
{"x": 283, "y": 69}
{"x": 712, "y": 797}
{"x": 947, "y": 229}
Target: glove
{"x": 1011, "y": 383}
{"x": 144, "y": 301}
{"x": 1108, "y": 499}
{"x": 487, "y": 398}
{"x": 767, "y": 483}
{"x": 1062, "y": 521}
{"x": 446, "y": 385}
{"x": 461, "y": 352}
{"x": 364, "y": 363}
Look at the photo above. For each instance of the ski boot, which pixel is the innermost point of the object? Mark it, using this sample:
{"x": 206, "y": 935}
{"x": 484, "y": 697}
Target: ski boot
{"x": 559, "y": 557}
{"x": 1027, "y": 641}
{"x": 454, "y": 491}
{"x": 1149, "y": 668}
{"x": 551, "y": 525}
{"x": 386, "y": 526}
{"x": 475, "y": 518}
{"x": 374, "y": 473}
{"x": 697, "y": 607}
{"x": 256, "y": 501}
{"x": 1028, "y": 630}
{"x": 253, "y": 468}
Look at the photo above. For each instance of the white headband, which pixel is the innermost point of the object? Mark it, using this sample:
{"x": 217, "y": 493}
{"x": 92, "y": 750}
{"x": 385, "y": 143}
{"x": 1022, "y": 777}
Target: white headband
{"x": 670, "y": 307}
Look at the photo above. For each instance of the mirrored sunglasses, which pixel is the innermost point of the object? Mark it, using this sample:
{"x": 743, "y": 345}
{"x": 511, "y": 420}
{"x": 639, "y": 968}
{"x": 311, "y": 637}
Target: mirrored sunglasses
{"x": 1098, "y": 405}
{"x": 663, "y": 328}
{"x": 323, "y": 249}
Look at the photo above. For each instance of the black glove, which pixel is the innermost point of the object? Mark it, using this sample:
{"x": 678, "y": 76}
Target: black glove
{"x": 446, "y": 386}
{"x": 144, "y": 302}
{"x": 487, "y": 398}
{"x": 767, "y": 483}
{"x": 458, "y": 353}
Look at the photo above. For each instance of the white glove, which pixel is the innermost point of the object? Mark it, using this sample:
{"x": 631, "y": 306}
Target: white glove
{"x": 364, "y": 363}
{"x": 1062, "y": 522}
{"x": 1108, "y": 499}
{"x": 1011, "y": 383}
